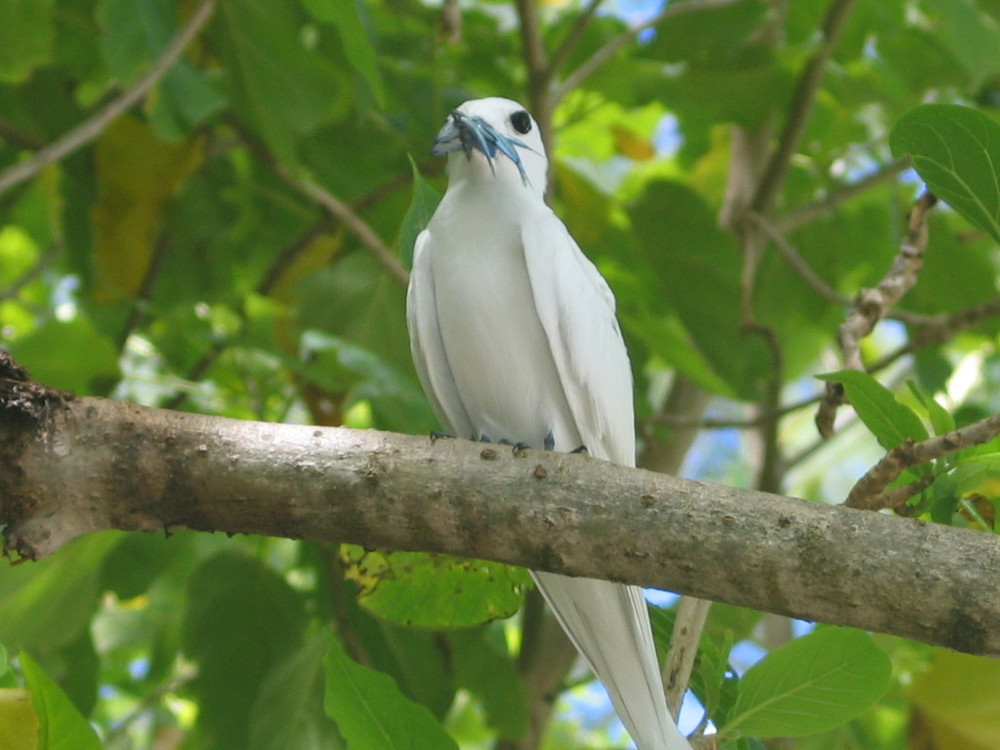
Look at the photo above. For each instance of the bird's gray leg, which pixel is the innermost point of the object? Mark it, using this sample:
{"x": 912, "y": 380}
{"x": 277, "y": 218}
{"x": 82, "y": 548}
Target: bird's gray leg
{"x": 550, "y": 441}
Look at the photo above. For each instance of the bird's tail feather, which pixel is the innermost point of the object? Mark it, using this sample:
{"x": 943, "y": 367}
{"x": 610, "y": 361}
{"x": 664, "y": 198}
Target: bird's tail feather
{"x": 609, "y": 624}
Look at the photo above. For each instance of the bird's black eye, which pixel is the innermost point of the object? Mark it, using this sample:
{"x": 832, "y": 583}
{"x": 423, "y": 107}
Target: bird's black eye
{"x": 521, "y": 121}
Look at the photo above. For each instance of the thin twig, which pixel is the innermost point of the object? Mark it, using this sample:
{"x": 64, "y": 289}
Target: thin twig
{"x": 871, "y": 304}
{"x": 869, "y": 493}
{"x": 939, "y": 328}
{"x": 278, "y": 267}
{"x": 812, "y": 279}
{"x": 89, "y": 129}
{"x": 801, "y": 107}
{"x": 796, "y": 261}
{"x": 609, "y": 50}
{"x": 354, "y": 223}
{"x": 811, "y": 211}
{"x": 749, "y": 423}
{"x": 572, "y": 39}
{"x": 327, "y": 200}
{"x": 692, "y": 614}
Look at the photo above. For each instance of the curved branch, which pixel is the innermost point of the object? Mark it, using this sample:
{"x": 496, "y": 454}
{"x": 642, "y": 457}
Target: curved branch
{"x": 89, "y": 129}
{"x": 354, "y": 223}
{"x": 871, "y": 304}
{"x": 801, "y": 107}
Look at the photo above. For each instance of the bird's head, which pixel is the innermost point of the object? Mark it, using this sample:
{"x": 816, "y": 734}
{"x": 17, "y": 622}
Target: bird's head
{"x": 496, "y": 138}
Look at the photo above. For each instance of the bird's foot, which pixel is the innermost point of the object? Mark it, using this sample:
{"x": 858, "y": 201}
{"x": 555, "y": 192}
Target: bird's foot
{"x": 517, "y": 448}
{"x": 580, "y": 449}
{"x": 437, "y": 435}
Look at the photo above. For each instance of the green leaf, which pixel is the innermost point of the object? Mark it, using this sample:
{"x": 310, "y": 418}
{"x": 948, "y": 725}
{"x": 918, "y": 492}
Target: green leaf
{"x": 956, "y": 150}
{"x": 46, "y": 604}
{"x": 69, "y": 355}
{"x": 370, "y": 711}
{"x": 26, "y": 36}
{"x": 422, "y": 205}
{"x": 279, "y": 85}
{"x": 940, "y": 418}
{"x": 693, "y": 266}
{"x": 484, "y": 668}
{"x": 347, "y": 16}
{"x": 289, "y": 710}
{"x": 242, "y": 619}
{"x": 979, "y": 474}
{"x": 132, "y": 34}
{"x": 956, "y": 698}
{"x": 810, "y": 685}
{"x": 970, "y": 37}
{"x": 711, "y": 36}
{"x": 434, "y": 591}
{"x": 61, "y": 726}
{"x": 891, "y": 422}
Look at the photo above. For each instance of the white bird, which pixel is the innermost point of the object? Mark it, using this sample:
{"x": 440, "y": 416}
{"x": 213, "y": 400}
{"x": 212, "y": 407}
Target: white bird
{"x": 514, "y": 337}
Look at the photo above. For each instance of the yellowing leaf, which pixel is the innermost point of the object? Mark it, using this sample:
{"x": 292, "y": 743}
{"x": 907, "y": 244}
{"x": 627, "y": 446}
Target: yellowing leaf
{"x": 630, "y": 144}
{"x": 956, "y": 703}
{"x": 138, "y": 176}
{"x": 18, "y": 722}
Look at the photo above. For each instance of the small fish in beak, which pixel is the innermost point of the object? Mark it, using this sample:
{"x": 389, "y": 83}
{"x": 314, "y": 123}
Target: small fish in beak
{"x": 468, "y": 133}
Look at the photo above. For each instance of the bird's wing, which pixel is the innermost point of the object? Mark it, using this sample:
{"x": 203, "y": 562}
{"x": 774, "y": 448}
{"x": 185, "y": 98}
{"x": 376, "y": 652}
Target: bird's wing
{"x": 427, "y": 346}
{"x": 607, "y": 622}
{"x": 577, "y": 311}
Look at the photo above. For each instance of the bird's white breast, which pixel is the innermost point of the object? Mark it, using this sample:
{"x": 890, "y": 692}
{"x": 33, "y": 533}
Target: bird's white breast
{"x": 495, "y": 344}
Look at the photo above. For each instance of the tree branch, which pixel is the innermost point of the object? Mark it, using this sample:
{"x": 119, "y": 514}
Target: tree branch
{"x": 89, "y": 129}
{"x": 337, "y": 208}
{"x": 571, "y": 40}
{"x": 609, "y": 50}
{"x": 87, "y": 464}
{"x": 812, "y": 211}
{"x": 869, "y": 493}
{"x": 801, "y": 107}
{"x": 871, "y": 304}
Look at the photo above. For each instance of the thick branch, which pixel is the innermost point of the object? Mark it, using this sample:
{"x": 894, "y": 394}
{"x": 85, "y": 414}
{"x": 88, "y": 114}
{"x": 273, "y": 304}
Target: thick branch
{"x": 90, "y": 464}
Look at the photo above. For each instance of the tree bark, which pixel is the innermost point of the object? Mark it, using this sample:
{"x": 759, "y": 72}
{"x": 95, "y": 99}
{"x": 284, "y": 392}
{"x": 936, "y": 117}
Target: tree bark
{"x": 68, "y": 467}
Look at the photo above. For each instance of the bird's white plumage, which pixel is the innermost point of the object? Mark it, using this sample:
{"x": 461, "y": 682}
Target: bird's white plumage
{"x": 514, "y": 337}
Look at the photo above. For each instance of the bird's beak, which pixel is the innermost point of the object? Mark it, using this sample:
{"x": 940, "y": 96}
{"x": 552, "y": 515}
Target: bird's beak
{"x": 468, "y": 133}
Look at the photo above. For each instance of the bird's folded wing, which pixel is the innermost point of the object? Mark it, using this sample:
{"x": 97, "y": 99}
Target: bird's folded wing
{"x": 427, "y": 346}
{"x": 577, "y": 311}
